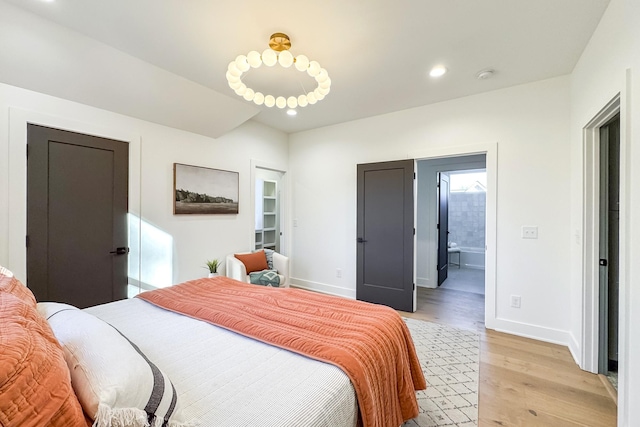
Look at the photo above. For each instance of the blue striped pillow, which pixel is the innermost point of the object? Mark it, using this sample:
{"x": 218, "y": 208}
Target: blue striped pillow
{"x": 114, "y": 380}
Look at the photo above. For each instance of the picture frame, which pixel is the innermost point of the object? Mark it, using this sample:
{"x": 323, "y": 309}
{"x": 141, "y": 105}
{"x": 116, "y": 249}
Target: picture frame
{"x": 199, "y": 190}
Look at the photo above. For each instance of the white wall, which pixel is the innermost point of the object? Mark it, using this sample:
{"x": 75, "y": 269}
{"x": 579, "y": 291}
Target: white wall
{"x": 529, "y": 124}
{"x": 154, "y": 148}
{"x": 609, "y": 65}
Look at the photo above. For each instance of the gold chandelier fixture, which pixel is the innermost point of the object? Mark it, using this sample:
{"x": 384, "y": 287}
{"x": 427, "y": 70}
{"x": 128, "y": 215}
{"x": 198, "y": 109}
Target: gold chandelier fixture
{"x": 278, "y": 53}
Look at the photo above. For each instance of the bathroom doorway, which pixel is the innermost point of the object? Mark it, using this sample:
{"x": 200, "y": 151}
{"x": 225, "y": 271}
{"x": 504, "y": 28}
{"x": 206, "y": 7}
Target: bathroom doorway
{"x": 466, "y": 220}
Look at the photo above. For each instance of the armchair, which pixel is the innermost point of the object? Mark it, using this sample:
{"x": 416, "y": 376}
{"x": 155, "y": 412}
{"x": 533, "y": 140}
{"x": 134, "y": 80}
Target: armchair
{"x": 235, "y": 269}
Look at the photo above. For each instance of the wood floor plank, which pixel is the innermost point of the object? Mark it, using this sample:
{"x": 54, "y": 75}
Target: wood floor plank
{"x": 523, "y": 382}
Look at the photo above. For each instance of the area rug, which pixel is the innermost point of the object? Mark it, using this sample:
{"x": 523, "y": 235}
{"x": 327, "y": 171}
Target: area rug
{"x": 450, "y": 362}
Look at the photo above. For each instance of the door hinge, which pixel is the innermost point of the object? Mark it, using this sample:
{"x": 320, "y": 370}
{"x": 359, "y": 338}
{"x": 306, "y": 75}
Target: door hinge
{"x": 604, "y": 262}
{"x": 414, "y": 286}
{"x": 437, "y": 226}
{"x": 26, "y": 241}
{"x": 414, "y": 231}
{"x": 414, "y": 175}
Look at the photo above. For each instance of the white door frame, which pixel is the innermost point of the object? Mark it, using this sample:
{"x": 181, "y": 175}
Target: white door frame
{"x": 491, "y": 152}
{"x": 284, "y": 205}
{"x": 591, "y": 227}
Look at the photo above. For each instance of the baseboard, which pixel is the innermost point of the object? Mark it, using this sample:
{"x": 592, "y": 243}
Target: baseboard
{"x": 574, "y": 348}
{"x": 526, "y": 330}
{"x": 323, "y": 287}
{"x": 424, "y": 282}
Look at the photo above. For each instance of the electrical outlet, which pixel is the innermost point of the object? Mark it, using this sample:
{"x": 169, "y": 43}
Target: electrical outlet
{"x": 530, "y": 232}
{"x": 338, "y": 273}
{"x": 516, "y": 301}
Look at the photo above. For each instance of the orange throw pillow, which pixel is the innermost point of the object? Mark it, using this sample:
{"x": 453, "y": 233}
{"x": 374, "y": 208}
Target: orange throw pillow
{"x": 35, "y": 383}
{"x": 256, "y": 261}
{"x": 11, "y": 285}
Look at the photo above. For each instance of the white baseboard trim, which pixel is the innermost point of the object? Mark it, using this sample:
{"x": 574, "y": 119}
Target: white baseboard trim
{"x": 323, "y": 288}
{"x": 526, "y": 330}
{"x": 574, "y": 348}
{"x": 424, "y": 282}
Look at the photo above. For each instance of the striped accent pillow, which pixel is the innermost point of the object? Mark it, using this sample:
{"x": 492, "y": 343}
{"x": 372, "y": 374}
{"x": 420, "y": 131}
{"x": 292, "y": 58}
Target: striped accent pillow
{"x": 114, "y": 380}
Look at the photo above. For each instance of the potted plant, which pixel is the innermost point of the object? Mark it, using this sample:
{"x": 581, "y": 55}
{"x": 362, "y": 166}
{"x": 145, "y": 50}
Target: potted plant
{"x": 213, "y": 266}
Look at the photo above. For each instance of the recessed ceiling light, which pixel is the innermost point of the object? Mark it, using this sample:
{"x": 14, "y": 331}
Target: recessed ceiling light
{"x": 292, "y": 112}
{"x": 438, "y": 71}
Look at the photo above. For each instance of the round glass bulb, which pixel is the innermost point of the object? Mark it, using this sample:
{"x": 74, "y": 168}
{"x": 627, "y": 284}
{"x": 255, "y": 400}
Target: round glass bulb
{"x": 269, "y": 57}
{"x": 302, "y": 101}
{"x": 292, "y": 102}
{"x": 311, "y": 97}
{"x": 269, "y": 101}
{"x": 319, "y": 95}
{"x": 254, "y": 60}
{"x": 325, "y": 84}
{"x": 235, "y": 85}
{"x": 285, "y": 59}
{"x": 322, "y": 75}
{"x": 323, "y": 90}
{"x": 249, "y": 94}
{"x": 241, "y": 90}
{"x": 233, "y": 69}
{"x": 281, "y": 102}
{"x": 302, "y": 63}
{"x": 241, "y": 63}
{"x": 314, "y": 68}
{"x": 258, "y": 98}
{"x": 231, "y": 78}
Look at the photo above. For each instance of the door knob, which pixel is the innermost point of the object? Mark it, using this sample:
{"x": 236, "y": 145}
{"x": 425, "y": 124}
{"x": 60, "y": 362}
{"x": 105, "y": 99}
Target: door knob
{"x": 120, "y": 251}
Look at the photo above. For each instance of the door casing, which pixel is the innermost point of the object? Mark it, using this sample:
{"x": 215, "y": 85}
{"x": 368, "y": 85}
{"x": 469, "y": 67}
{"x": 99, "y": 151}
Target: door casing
{"x": 589, "y": 357}
{"x": 17, "y": 216}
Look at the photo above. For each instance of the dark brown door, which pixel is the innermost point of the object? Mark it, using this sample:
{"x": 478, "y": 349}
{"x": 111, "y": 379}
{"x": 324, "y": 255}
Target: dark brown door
{"x": 77, "y": 190}
{"x": 443, "y": 227}
{"x": 385, "y": 234}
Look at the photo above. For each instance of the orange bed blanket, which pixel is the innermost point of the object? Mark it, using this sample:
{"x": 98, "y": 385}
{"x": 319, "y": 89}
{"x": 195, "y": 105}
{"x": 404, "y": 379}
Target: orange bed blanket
{"x": 369, "y": 342}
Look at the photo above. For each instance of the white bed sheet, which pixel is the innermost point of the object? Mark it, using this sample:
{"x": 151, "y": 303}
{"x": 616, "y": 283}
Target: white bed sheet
{"x": 225, "y": 379}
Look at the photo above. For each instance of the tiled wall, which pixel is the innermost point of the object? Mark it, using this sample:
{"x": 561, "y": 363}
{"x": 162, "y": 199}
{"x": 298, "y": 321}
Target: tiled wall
{"x": 467, "y": 219}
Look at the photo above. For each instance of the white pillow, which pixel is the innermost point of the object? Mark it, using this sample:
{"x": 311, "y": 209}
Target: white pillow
{"x": 115, "y": 382}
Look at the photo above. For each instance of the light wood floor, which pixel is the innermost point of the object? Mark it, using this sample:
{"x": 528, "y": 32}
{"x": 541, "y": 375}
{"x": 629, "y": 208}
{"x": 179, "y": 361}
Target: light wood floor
{"x": 523, "y": 382}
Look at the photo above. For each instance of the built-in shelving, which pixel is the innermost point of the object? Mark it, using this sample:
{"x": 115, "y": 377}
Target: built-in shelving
{"x": 267, "y": 217}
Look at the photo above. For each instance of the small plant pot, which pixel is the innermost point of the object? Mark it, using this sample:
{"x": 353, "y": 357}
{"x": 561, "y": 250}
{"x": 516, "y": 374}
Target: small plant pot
{"x": 213, "y": 275}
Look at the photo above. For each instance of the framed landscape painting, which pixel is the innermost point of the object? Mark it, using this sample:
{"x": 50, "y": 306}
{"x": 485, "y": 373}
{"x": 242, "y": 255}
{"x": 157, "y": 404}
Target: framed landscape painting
{"x": 204, "y": 191}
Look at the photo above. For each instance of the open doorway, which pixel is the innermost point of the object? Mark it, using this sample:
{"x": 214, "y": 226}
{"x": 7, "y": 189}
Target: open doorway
{"x": 605, "y": 229}
{"x": 466, "y": 230}
{"x": 609, "y": 248}
{"x": 449, "y": 261}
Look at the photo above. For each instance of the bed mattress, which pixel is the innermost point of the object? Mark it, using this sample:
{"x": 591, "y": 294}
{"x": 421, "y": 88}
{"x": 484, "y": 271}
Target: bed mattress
{"x": 226, "y": 379}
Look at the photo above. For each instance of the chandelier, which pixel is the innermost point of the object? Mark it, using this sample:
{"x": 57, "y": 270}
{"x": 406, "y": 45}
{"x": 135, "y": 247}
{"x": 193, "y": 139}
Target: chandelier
{"x": 278, "y": 53}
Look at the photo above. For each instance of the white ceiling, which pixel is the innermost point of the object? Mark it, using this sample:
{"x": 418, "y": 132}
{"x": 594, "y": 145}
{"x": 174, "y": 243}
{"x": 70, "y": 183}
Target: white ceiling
{"x": 378, "y": 52}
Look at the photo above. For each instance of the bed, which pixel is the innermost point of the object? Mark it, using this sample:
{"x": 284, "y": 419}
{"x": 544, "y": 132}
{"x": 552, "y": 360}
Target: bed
{"x": 220, "y": 377}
